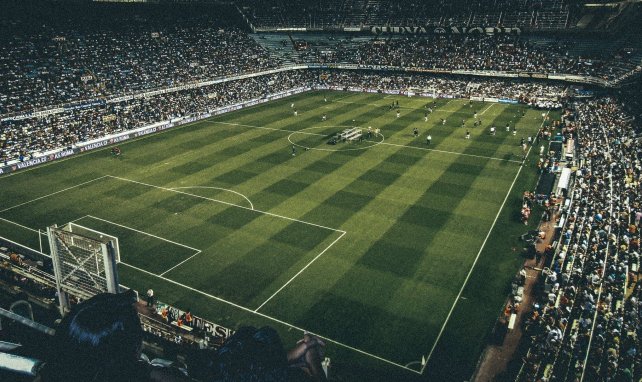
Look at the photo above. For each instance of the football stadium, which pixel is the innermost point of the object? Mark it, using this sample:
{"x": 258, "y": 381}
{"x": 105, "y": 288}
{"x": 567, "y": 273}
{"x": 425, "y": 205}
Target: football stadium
{"x": 320, "y": 190}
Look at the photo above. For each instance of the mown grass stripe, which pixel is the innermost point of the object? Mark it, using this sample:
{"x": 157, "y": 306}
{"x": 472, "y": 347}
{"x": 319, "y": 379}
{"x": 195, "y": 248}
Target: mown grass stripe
{"x": 386, "y": 248}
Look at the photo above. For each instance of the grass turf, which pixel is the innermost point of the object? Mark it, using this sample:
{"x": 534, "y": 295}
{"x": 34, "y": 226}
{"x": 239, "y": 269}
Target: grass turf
{"x": 367, "y": 244}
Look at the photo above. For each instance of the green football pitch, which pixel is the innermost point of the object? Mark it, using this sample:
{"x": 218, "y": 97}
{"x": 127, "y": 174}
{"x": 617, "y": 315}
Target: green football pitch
{"x": 392, "y": 249}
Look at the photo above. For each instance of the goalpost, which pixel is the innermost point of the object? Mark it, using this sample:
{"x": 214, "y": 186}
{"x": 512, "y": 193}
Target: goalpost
{"x": 84, "y": 262}
{"x": 97, "y": 235}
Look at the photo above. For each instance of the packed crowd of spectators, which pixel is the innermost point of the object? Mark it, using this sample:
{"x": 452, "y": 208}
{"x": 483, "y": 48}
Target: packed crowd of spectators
{"x": 316, "y": 14}
{"x": 47, "y": 64}
{"x": 474, "y": 52}
{"x": 446, "y": 86}
{"x": 47, "y": 60}
{"x": 25, "y": 138}
{"x": 589, "y": 307}
{"x": 587, "y": 319}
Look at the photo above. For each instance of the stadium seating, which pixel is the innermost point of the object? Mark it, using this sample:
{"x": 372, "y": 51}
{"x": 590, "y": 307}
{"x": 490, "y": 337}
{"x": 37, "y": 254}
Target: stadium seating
{"x": 336, "y": 14}
{"x": 58, "y": 64}
{"x": 586, "y": 320}
{"x": 91, "y": 78}
{"x": 31, "y": 137}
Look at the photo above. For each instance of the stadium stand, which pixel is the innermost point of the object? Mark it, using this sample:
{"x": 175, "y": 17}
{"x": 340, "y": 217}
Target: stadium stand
{"x": 31, "y": 137}
{"x": 65, "y": 60}
{"x": 482, "y": 53}
{"x": 336, "y": 14}
{"x": 585, "y": 322}
{"x": 98, "y": 76}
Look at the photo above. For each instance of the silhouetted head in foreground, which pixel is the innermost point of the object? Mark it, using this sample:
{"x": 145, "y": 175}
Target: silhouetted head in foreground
{"x": 99, "y": 340}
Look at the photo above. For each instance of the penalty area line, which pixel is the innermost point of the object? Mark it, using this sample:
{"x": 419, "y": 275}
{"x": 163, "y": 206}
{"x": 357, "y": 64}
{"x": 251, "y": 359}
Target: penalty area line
{"x": 144, "y": 233}
{"x": 299, "y": 272}
{"x": 226, "y": 203}
{"x": 248, "y": 310}
{"x": 181, "y": 263}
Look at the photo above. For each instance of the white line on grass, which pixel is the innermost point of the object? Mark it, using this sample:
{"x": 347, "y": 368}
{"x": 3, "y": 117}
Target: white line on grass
{"x": 486, "y": 109}
{"x": 24, "y": 246}
{"x": 345, "y": 96}
{"x": 226, "y": 203}
{"x": 255, "y": 127}
{"x": 298, "y": 273}
{"x": 218, "y": 188}
{"x": 181, "y": 263}
{"x": 382, "y": 143}
{"x": 452, "y": 308}
{"x": 470, "y": 272}
{"x": 197, "y": 251}
{"x": 53, "y": 193}
{"x": 452, "y": 152}
{"x": 371, "y": 104}
{"x": 80, "y": 218}
{"x": 19, "y": 225}
{"x": 270, "y": 318}
{"x": 144, "y": 233}
{"x": 89, "y": 152}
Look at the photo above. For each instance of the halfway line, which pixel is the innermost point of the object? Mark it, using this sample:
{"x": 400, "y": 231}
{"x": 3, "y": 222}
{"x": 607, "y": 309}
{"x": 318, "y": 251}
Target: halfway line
{"x": 452, "y": 152}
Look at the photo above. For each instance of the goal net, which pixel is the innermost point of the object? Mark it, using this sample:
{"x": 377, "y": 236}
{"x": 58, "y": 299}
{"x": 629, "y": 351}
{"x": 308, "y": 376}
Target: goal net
{"x": 96, "y": 235}
{"x": 84, "y": 261}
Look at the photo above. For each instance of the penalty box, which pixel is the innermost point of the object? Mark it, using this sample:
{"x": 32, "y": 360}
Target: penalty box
{"x": 231, "y": 250}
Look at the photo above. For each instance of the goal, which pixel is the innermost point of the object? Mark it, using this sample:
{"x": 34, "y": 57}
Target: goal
{"x": 84, "y": 262}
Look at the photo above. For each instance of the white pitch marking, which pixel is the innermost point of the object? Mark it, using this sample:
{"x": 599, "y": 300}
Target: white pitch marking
{"x": 226, "y": 203}
{"x": 181, "y": 263}
{"x": 100, "y": 149}
{"x": 452, "y": 308}
{"x": 368, "y": 104}
{"x": 298, "y": 273}
{"x": 144, "y": 233}
{"x": 271, "y": 318}
{"x": 19, "y": 225}
{"x": 53, "y": 193}
{"x": 80, "y": 218}
{"x": 381, "y": 143}
{"x": 452, "y": 152}
{"x": 470, "y": 272}
{"x": 486, "y": 109}
{"x": 345, "y": 96}
{"x": 256, "y": 127}
{"x": 218, "y": 188}
{"x": 24, "y": 246}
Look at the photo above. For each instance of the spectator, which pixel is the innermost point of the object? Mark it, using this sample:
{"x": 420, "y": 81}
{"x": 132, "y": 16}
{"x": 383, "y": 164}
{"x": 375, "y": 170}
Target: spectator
{"x": 101, "y": 340}
{"x": 258, "y": 355}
